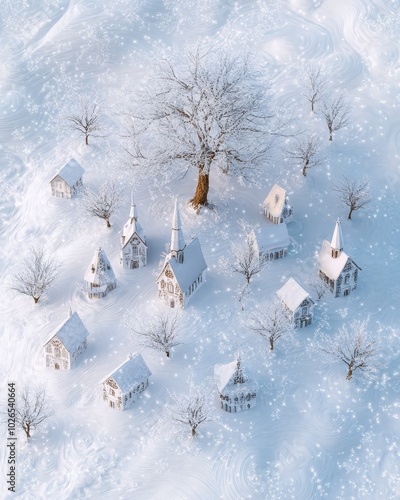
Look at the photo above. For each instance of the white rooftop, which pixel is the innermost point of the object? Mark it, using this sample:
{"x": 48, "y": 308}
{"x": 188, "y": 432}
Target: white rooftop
{"x": 99, "y": 271}
{"x": 71, "y": 172}
{"x": 275, "y": 200}
{"x": 292, "y": 294}
{"x": 330, "y": 266}
{"x": 130, "y": 373}
{"x": 225, "y": 376}
{"x": 271, "y": 236}
{"x": 71, "y": 332}
{"x": 132, "y": 226}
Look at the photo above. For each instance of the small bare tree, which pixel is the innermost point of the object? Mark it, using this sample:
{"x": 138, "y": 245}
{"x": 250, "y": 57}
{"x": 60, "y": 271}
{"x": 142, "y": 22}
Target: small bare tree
{"x": 354, "y": 346}
{"x": 103, "y": 203}
{"x": 319, "y": 286}
{"x": 315, "y": 85}
{"x": 246, "y": 255}
{"x": 354, "y": 193}
{"x": 161, "y": 333}
{"x": 193, "y": 407}
{"x": 271, "y": 322}
{"x": 305, "y": 152}
{"x": 35, "y": 273}
{"x": 85, "y": 120}
{"x": 32, "y": 407}
{"x": 336, "y": 112}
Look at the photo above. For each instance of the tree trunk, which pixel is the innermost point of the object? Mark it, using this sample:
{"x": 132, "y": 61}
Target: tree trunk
{"x": 271, "y": 343}
{"x": 87, "y": 139}
{"x": 193, "y": 431}
{"x": 167, "y": 353}
{"x": 350, "y": 212}
{"x": 36, "y": 299}
{"x": 200, "y": 196}
{"x": 330, "y": 135}
{"x": 27, "y": 431}
{"x": 305, "y": 168}
{"x": 108, "y": 223}
{"x": 349, "y": 374}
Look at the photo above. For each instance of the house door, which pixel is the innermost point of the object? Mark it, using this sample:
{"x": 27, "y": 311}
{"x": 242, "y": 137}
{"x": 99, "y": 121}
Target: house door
{"x": 112, "y": 404}
{"x": 172, "y": 303}
{"x": 134, "y": 264}
{"x": 57, "y": 366}
{"x": 346, "y": 291}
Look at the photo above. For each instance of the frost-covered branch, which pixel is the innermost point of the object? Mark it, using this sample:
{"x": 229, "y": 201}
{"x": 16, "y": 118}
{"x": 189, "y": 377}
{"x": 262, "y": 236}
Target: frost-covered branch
{"x": 353, "y": 193}
{"x": 85, "y": 120}
{"x": 336, "y": 112}
{"x": 103, "y": 203}
{"x": 315, "y": 83}
{"x": 32, "y": 407}
{"x": 305, "y": 152}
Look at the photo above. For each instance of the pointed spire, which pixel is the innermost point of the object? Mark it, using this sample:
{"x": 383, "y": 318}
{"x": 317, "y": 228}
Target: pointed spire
{"x": 133, "y": 213}
{"x": 337, "y": 240}
{"x": 69, "y": 311}
{"x": 177, "y": 240}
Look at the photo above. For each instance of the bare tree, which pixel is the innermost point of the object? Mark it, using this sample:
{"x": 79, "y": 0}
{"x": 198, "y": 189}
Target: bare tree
{"x": 354, "y": 346}
{"x": 160, "y": 333}
{"x": 193, "y": 407}
{"x": 336, "y": 113}
{"x": 246, "y": 255}
{"x": 32, "y": 407}
{"x": 35, "y": 273}
{"x": 319, "y": 286}
{"x": 315, "y": 85}
{"x": 204, "y": 110}
{"x": 85, "y": 120}
{"x": 354, "y": 193}
{"x": 271, "y": 322}
{"x": 305, "y": 151}
{"x": 103, "y": 203}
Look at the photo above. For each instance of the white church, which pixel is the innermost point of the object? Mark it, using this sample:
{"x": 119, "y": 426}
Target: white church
{"x": 133, "y": 242}
{"x": 99, "y": 277}
{"x": 184, "y": 269}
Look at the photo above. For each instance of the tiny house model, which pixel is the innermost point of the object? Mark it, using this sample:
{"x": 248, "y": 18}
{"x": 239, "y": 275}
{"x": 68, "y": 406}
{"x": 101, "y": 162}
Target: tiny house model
{"x": 237, "y": 390}
{"x": 124, "y": 385}
{"x": 335, "y": 267}
{"x": 297, "y": 303}
{"x": 133, "y": 242}
{"x": 65, "y": 345}
{"x": 273, "y": 241}
{"x": 99, "y": 277}
{"x": 184, "y": 269}
{"x": 276, "y": 206}
{"x": 68, "y": 180}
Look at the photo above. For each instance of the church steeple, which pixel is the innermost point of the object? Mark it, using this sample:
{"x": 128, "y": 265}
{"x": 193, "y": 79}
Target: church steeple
{"x": 177, "y": 240}
{"x": 133, "y": 212}
{"x": 337, "y": 241}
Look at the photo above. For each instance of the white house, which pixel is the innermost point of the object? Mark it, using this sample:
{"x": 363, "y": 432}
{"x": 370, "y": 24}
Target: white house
{"x": 184, "y": 269}
{"x": 66, "y": 343}
{"x": 297, "y": 303}
{"x": 122, "y": 387}
{"x": 273, "y": 241}
{"x": 99, "y": 277}
{"x": 68, "y": 180}
{"x": 276, "y": 206}
{"x": 133, "y": 242}
{"x": 335, "y": 267}
{"x": 237, "y": 390}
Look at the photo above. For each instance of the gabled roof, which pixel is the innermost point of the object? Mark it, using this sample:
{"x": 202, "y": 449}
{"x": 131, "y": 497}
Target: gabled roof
{"x": 292, "y": 294}
{"x": 71, "y": 332}
{"x": 131, "y": 228}
{"x": 99, "y": 271}
{"x": 70, "y": 173}
{"x": 130, "y": 373}
{"x": 330, "y": 266}
{"x": 275, "y": 200}
{"x": 225, "y": 376}
{"x": 192, "y": 266}
{"x": 271, "y": 236}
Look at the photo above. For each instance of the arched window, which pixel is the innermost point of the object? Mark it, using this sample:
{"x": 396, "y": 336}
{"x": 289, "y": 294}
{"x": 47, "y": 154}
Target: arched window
{"x": 134, "y": 250}
{"x": 163, "y": 284}
{"x": 170, "y": 287}
{"x": 346, "y": 279}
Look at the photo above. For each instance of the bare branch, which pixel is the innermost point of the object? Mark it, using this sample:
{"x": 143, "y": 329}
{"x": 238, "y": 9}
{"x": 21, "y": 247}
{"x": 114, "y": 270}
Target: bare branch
{"x": 305, "y": 151}
{"x": 336, "y": 113}
{"x": 103, "y": 203}
{"x": 86, "y": 120}
{"x": 353, "y": 193}
{"x": 32, "y": 407}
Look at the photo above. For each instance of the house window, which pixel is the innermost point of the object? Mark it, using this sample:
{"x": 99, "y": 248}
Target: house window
{"x": 112, "y": 392}
{"x": 170, "y": 287}
{"x": 346, "y": 279}
{"x": 162, "y": 284}
{"x": 130, "y": 395}
{"x": 57, "y": 352}
{"x": 304, "y": 311}
{"x": 49, "y": 348}
{"x": 112, "y": 404}
{"x": 64, "y": 353}
{"x": 134, "y": 250}
{"x": 281, "y": 253}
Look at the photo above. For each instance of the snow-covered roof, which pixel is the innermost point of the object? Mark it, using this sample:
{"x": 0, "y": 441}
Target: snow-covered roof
{"x": 72, "y": 332}
{"x": 192, "y": 266}
{"x": 177, "y": 240}
{"x": 71, "y": 172}
{"x": 332, "y": 267}
{"x": 292, "y": 294}
{"x": 271, "y": 236}
{"x": 130, "y": 373}
{"x": 275, "y": 200}
{"x": 225, "y": 377}
{"x": 132, "y": 226}
{"x": 99, "y": 271}
{"x": 337, "y": 237}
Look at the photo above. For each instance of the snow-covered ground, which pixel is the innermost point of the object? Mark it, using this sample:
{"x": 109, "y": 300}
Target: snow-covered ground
{"x": 312, "y": 434}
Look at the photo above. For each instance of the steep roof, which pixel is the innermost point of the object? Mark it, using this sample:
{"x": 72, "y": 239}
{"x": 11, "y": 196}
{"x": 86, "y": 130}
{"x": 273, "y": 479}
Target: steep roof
{"x": 292, "y": 294}
{"x": 275, "y": 200}
{"x": 192, "y": 266}
{"x": 132, "y": 226}
{"x": 130, "y": 373}
{"x": 271, "y": 236}
{"x": 225, "y": 376}
{"x": 337, "y": 237}
{"x": 71, "y": 172}
{"x": 330, "y": 266}
{"x": 99, "y": 271}
{"x": 177, "y": 240}
{"x": 71, "y": 332}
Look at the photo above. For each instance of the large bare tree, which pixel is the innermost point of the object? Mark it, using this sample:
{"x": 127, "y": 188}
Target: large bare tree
{"x": 35, "y": 273}
{"x": 271, "y": 322}
{"x": 353, "y": 193}
{"x": 354, "y": 346}
{"x": 315, "y": 83}
{"x": 85, "y": 119}
{"x": 336, "y": 112}
{"x": 207, "y": 109}
{"x": 305, "y": 151}
{"x": 32, "y": 407}
{"x": 104, "y": 202}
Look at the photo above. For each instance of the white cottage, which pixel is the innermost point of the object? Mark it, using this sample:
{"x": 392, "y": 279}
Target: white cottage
{"x": 276, "y": 206}
{"x": 133, "y": 242}
{"x": 122, "y": 387}
{"x": 184, "y": 269}
{"x": 297, "y": 303}
{"x": 335, "y": 267}
{"x": 66, "y": 343}
{"x": 99, "y": 277}
{"x": 273, "y": 241}
{"x": 237, "y": 390}
{"x": 68, "y": 180}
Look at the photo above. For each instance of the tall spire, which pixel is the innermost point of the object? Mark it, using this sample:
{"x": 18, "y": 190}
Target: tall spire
{"x": 177, "y": 241}
{"x": 133, "y": 213}
{"x": 337, "y": 240}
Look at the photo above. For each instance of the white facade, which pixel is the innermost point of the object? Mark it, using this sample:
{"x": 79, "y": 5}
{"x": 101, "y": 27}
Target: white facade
{"x": 68, "y": 180}
{"x": 133, "y": 242}
{"x": 273, "y": 241}
{"x": 66, "y": 344}
{"x": 124, "y": 385}
{"x": 276, "y": 206}
{"x": 297, "y": 303}
{"x": 99, "y": 277}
